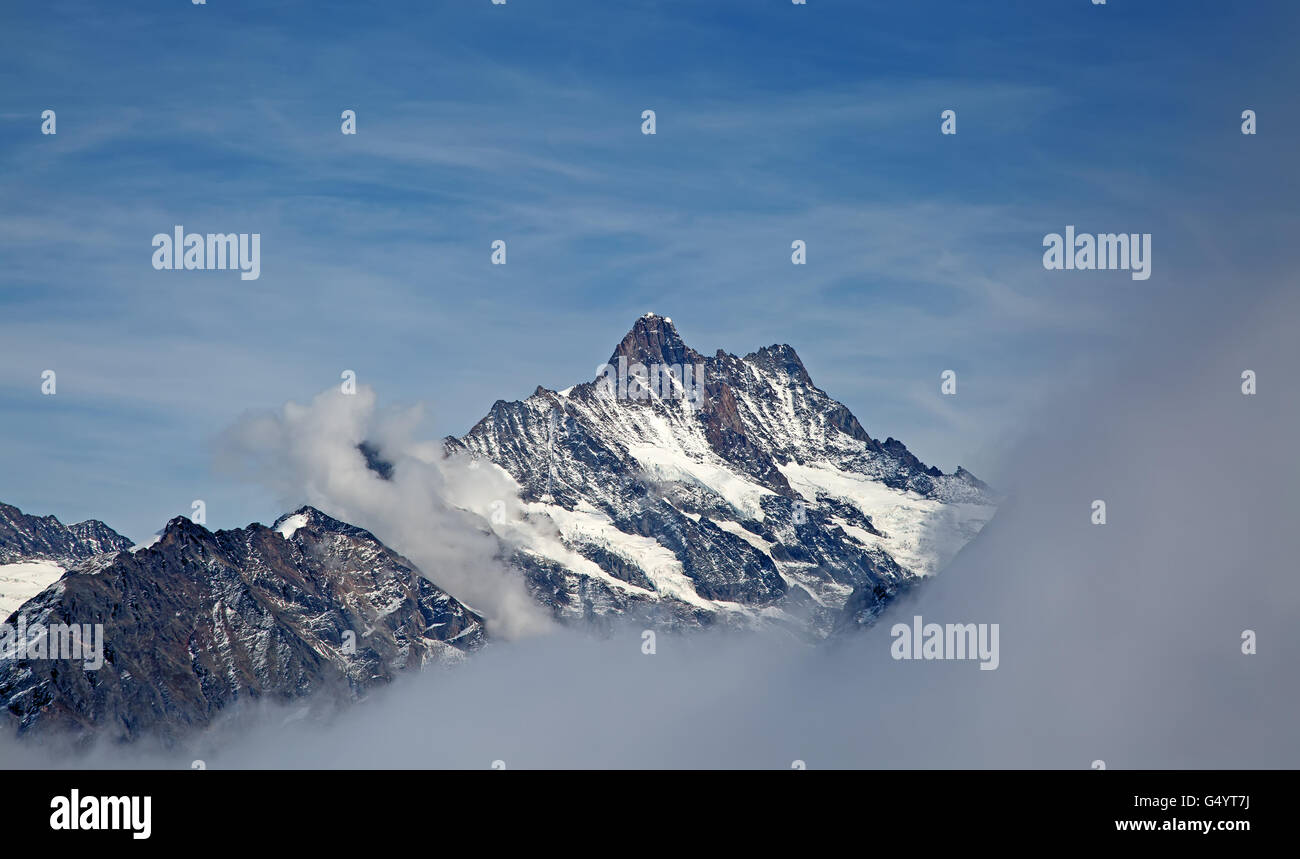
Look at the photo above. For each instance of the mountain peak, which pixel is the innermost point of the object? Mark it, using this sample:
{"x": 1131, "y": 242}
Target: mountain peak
{"x": 216, "y": 618}
{"x": 307, "y": 515}
{"x": 768, "y": 503}
{"x": 654, "y": 340}
{"x": 25, "y": 537}
{"x": 781, "y": 357}
{"x": 180, "y": 527}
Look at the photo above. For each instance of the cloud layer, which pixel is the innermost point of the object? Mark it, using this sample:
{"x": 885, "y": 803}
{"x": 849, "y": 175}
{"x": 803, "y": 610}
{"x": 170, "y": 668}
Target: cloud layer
{"x": 309, "y": 454}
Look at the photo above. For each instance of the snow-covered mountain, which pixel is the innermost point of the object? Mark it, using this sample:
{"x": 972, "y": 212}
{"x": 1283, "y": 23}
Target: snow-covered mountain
{"x": 692, "y": 490}
{"x": 36, "y": 550}
{"x": 199, "y": 621}
{"x": 675, "y": 489}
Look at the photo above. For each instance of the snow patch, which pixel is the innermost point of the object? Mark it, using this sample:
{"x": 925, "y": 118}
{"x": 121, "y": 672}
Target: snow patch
{"x": 661, "y": 463}
{"x": 290, "y": 526}
{"x": 739, "y": 530}
{"x": 146, "y": 544}
{"x": 21, "y": 582}
{"x": 586, "y": 524}
{"x": 922, "y": 534}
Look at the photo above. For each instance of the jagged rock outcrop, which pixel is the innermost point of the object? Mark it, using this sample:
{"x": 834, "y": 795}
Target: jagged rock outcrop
{"x": 201, "y": 621}
{"x": 27, "y": 538}
{"x": 696, "y": 490}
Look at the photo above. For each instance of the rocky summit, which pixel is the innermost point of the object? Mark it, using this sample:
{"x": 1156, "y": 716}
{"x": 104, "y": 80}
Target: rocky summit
{"x": 199, "y": 621}
{"x": 693, "y": 490}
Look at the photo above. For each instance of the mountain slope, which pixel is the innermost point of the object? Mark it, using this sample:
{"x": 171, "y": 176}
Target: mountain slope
{"x": 36, "y": 550}
{"x": 726, "y": 489}
{"x": 200, "y": 621}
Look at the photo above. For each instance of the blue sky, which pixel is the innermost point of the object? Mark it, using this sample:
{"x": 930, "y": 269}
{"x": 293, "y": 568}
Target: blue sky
{"x": 522, "y": 122}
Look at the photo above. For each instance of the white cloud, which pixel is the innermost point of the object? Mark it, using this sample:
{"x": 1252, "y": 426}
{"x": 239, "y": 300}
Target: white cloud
{"x": 309, "y": 454}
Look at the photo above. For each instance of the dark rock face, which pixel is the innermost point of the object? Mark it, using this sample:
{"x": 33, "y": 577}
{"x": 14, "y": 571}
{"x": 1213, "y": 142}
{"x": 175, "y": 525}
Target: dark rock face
{"x": 201, "y": 621}
{"x": 654, "y": 340}
{"x": 27, "y": 538}
{"x": 375, "y": 462}
{"x": 690, "y": 504}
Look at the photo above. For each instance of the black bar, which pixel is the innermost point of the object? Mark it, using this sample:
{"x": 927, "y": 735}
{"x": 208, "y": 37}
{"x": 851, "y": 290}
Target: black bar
{"x": 365, "y": 808}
